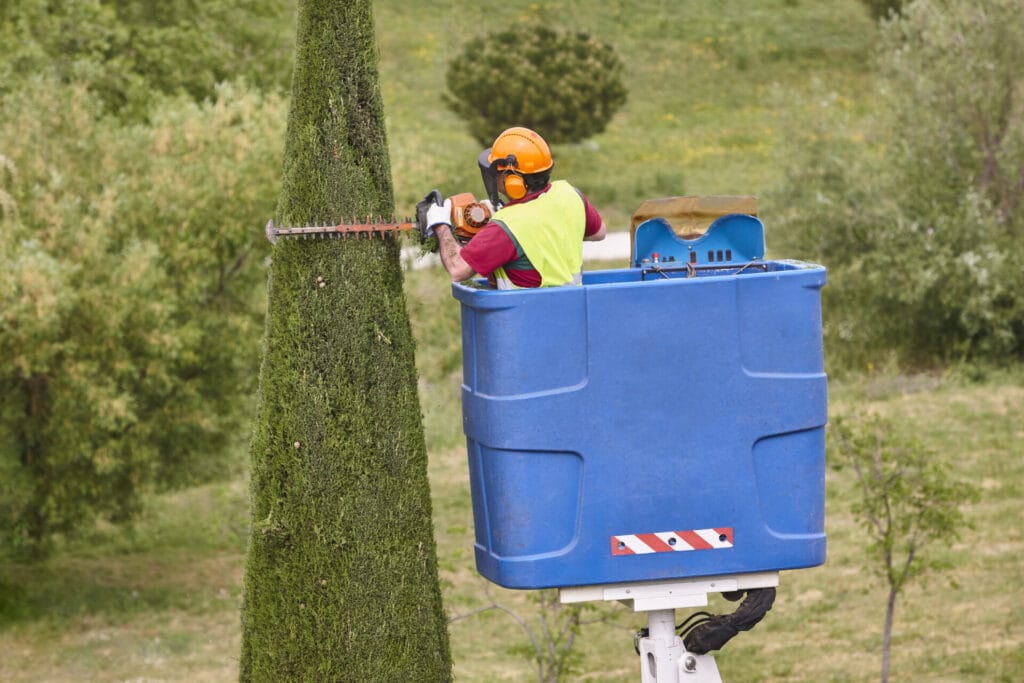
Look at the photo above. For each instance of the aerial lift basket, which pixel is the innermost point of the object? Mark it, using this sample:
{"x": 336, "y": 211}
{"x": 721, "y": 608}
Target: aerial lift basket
{"x": 662, "y": 421}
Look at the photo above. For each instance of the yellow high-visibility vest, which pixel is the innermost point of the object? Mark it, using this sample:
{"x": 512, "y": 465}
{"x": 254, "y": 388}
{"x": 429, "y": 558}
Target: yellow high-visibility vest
{"x": 549, "y": 229}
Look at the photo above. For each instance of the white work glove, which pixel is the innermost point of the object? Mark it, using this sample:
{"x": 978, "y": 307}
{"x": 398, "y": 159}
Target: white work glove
{"x": 438, "y": 214}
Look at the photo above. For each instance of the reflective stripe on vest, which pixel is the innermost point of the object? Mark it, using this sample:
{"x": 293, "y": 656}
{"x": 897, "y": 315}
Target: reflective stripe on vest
{"x": 549, "y": 230}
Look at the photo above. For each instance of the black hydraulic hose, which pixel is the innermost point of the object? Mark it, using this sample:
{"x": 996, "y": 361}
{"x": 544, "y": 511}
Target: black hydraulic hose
{"x": 715, "y": 632}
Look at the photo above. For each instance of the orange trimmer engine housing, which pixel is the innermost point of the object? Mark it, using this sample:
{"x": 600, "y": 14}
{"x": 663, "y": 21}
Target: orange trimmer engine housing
{"x": 468, "y": 216}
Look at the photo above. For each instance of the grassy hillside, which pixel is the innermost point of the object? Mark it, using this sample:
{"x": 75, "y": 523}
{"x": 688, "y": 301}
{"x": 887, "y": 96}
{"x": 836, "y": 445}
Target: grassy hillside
{"x": 714, "y": 88}
{"x": 711, "y": 87}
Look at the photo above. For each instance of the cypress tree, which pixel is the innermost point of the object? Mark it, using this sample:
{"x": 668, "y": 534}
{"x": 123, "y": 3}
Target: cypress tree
{"x": 341, "y": 576}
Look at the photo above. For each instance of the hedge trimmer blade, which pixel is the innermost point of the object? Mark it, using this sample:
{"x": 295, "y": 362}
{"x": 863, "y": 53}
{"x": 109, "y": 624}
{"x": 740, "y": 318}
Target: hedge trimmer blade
{"x": 342, "y": 230}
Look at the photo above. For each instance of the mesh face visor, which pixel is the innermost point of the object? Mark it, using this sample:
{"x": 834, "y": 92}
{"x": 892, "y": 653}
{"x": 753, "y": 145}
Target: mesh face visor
{"x": 489, "y": 173}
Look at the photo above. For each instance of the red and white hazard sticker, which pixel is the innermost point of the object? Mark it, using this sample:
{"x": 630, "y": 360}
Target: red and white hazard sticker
{"x": 672, "y": 541}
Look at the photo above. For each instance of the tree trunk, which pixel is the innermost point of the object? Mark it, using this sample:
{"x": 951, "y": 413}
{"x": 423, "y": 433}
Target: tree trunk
{"x": 890, "y": 610}
{"x": 341, "y": 577}
{"x": 33, "y": 460}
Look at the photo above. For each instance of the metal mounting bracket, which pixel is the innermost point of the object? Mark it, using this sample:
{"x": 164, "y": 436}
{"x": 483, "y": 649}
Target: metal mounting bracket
{"x": 663, "y": 657}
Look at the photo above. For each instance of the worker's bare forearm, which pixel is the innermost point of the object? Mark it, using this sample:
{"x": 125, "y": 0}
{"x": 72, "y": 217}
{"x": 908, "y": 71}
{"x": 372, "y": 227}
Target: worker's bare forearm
{"x": 597, "y": 236}
{"x": 452, "y": 260}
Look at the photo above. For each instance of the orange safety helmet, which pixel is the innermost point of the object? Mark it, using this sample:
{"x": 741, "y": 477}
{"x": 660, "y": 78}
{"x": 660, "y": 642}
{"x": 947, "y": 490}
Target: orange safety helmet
{"x": 517, "y": 152}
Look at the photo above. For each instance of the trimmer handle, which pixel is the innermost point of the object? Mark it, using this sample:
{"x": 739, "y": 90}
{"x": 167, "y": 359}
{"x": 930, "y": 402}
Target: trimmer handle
{"x": 433, "y": 198}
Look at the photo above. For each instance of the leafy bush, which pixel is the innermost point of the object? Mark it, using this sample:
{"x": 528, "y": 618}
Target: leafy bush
{"x": 920, "y": 221}
{"x": 133, "y": 167}
{"x": 125, "y": 51}
{"x": 128, "y": 324}
{"x": 567, "y": 86}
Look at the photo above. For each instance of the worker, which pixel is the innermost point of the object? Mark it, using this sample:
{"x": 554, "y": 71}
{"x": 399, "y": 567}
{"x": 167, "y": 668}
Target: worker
{"x": 535, "y": 239}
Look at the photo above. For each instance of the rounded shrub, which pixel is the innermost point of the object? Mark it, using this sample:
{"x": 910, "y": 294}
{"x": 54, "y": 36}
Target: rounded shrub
{"x": 565, "y": 85}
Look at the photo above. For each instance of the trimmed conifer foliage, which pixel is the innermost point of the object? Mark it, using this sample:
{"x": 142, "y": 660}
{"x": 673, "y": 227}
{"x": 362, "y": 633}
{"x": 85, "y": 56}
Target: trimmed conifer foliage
{"x": 341, "y": 576}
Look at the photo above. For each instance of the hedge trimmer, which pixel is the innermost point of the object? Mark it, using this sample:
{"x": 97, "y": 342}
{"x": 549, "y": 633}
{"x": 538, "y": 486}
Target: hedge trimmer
{"x": 468, "y": 216}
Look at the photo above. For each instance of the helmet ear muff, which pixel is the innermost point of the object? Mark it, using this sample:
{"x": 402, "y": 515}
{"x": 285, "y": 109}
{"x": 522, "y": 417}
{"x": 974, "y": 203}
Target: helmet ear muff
{"x": 515, "y": 186}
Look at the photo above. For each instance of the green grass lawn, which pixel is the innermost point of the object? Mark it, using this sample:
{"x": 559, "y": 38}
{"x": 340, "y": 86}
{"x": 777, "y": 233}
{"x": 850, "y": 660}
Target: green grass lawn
{"x": 715, "y": 89}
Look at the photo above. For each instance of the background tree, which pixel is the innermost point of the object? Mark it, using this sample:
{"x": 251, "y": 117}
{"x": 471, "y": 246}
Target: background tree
{"x": 907, "y": 501}
{"x": 552, "y": 636}
{"x": 127, "y": 324}
{"x": 127, "y": 50}
{"x": 341, "y": 577}
{"x": 567, "y": 85}
{"x": 920, "y": 220}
